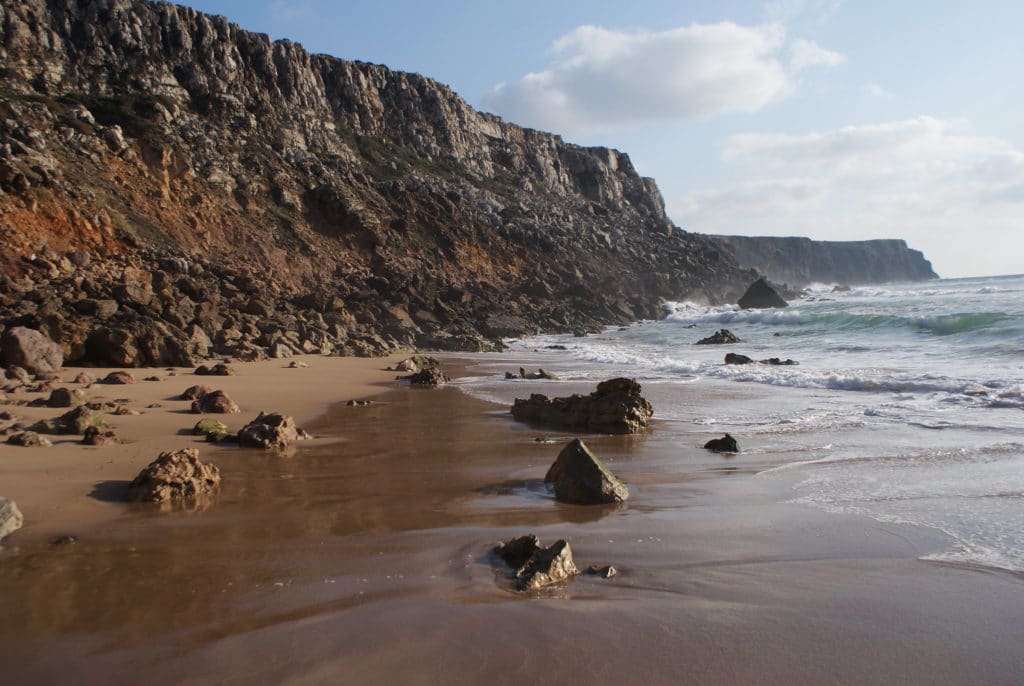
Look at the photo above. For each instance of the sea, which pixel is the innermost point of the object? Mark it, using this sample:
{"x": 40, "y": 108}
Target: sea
{"x": 906, "y": 405}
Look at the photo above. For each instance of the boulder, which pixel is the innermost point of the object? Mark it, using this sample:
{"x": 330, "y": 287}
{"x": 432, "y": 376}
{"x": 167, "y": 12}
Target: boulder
{"x": 84, "y": 379}
{"x": 431, "y": 376}
{"x": 11, "y": 518}
{"x": 615, "y": 407}
{"x": 736, "y": 358}
{"x": 193, "y": 393}
{"x": 774, "y": 361}
{"x": 65, "y": 397}
{"x": 175, "y": 476}
{"x": 536, "y": 567}
{"x": 29, "y": 439}
{"x": 205, "y": 427}
{"x": 720, "y": 337}
{"x": 70, "y": 423}
{"x": 539, "y": 374}
{"x": 269, "y": 431}
{"x": 580, "y": 478}
{"x": 96, "y": 437}
{"x": 762, "y": 294}
{"x": 120, "y": 378}
{"x": 416, "y": 363}
{"x": 215, "y": 402}
{"x": 725, "y": 444}
{"x": 219, "y": 369}
{"x": 30, "y": 349}
{"x": 605, "y": 571}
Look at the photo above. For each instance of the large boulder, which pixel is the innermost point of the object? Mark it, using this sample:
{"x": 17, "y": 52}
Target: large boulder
{"x": 615, "y": 407}
{"x": 762, "y": 294}
{"x": 65, "y": 397}
{"x": 536, "y": 567}
{"x": 215, "y": 402}
{"x": 11, "y": 518}
{"x": 31, "y": 350}
{"x": 269, "y": 431}
{"x": 579, "y": 477}
{"x": 175, "y": 476}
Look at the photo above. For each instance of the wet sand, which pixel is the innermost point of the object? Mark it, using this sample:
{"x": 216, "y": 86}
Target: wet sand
{"x": 363, "y": 558}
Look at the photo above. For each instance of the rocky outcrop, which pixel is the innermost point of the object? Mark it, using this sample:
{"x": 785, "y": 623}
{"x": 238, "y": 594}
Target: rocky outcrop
{"x": 11, "y": 518}
{"x": 536, "y": 567}
{"x": 802, "y": 261}
{"x": 431, "y": 376}
{"x": 174, "y": 477}
{"x": 720, "y": 337}
{"x": 616, "y": 407}
{"x": 761, "y": 294}
{"x": 30, "y": 350}
{"x": 175, "y": 187}
{"x": 579, "y": 477}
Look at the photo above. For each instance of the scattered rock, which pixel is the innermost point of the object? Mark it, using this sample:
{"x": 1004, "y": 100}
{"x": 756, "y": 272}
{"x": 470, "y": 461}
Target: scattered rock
{"x": 615, "y": 407}
{"x": 66, "y": 539}
{"x": 269, "y": 431}
{"x": 296, "y": 364}
{"x": 431, "y": 376}
{"x": 580, "y": 478}
{"x": 774, "y": 361}
{"x": 605, "y": 572}
{"x": 84, "y": 379}
{"x": 215, "y": 402}
{"x": 29, "y": 439}
{"x": 539, "y": 374}
{"x": 219, "y": 369}
{"x": 359, "y": 403}
{"x": 536, "y": 567}
{"x": 65, "y": 397}
{"x": 30, "y": 349}
{"x": 555, "y": 347}
{"x": 175, "y": 476}
{"x": 725, "y": 444}
{"x": 96, "y": 437}
{"x": 736, "y": 358}
{"x": 721, "y": 337}
{"x": 762, "y": 294}
{"x": 121, "y": 378}
{"x": 70, "y": 423}
{"x": 207, "y": 426}
{"x": 193, "y": 393}
{"x": 11, "y": 518}
{"x": 152, "y": 378}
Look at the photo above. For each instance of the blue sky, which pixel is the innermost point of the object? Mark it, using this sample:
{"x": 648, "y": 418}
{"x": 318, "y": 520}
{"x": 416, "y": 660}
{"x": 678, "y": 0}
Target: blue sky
{"x": 833, "y": 119}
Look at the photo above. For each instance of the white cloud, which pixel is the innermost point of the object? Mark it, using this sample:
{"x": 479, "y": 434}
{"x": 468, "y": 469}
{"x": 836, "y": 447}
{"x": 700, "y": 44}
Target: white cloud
{"x": 876, "y": 90}
{"x": 956, "y": 195}
{"x": 805, "y": 53}
{"x": 603, "y": 79}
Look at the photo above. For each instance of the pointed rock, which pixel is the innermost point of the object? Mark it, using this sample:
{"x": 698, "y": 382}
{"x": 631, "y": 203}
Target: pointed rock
{"x": 579, "y": 477}
{"x": 172, "y": 476}
{"x": 762, "y": 294}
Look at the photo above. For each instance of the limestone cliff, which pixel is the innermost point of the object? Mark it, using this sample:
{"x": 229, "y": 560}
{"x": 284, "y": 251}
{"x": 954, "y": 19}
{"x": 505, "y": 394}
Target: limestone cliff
{"x": 801, "y": 261}
{"x": 174, "y": 185}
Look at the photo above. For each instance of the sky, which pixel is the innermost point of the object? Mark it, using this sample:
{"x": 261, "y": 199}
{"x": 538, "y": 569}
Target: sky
{"x": 833, "y": 119}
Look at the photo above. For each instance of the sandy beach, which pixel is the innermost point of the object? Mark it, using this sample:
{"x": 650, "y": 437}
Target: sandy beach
{"x": 364, "y": 558}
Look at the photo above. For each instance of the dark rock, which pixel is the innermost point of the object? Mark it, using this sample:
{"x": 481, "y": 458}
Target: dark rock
{"x": 725, "y": 444}
{"x": 555, "y": 347}
{"x": 432, "y": 376}
{"x": 761, "y": 294}
{"x": 615, "y": 407}
{"x": 736, "y": 358}
{"x": 66, "y": 539}
{"x": 605, "y": 572}
{"x": 19, "y": 374}
{"x": 774, "y": 361}
{"x": 219, "y": 369}
{"x": 65, "y": 397}
{"x": 96, "y": 437}
{"x": 580, "y": 478}
{"x": 215, "y": 402}
{"x": 537, "y": 567}
{"x": 721, "y": 337}
{"x": 29, "y": 439}
{"x": 269, "y": 431}
{"x": 841, "y": 288}
{"x": 11, "y": 518}
{"x": 175, "y": 476}
{"x": 30, "y": 349}
{"x": 193, "y": 393}
{"x": 120, "y": 378}
{"x": 359, "y": 403}
{"x": 539, "y": 374}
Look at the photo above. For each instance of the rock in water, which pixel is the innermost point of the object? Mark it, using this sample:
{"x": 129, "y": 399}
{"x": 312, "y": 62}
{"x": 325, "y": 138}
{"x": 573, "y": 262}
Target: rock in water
{"x": 776, "y": 362}
{"x": 175, "y": 476}
{"x": 537, "y": 567}
{"x": 721, "y": 337}
{"x": 762, "y": 294}
{"x": 31, "y": 350}
{"x": 725, "y": 444}
{"x": 579, "y": 477}
{"x": 615, "y": 407}
{"x": 11, "y": 518}
{"x": 269, "y": 431}
{"x": 736, "y": 358}
{"x": 431, "y": 376}
{"x": 215, "y": 402}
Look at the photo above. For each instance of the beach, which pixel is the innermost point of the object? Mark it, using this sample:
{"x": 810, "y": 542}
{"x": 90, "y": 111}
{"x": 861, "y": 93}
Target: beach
{"x": 364, "y": 556}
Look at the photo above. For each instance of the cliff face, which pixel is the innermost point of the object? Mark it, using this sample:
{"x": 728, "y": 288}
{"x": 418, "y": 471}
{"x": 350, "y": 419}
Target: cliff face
{"x": 801, "y": 261}
{"x": 236, "y": 194}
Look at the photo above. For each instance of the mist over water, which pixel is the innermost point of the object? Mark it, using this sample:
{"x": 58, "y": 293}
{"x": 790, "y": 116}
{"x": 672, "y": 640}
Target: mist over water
{"x": 907, "y": 404}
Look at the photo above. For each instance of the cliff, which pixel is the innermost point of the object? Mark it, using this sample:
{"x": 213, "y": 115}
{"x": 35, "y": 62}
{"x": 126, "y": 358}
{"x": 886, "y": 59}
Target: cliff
{"x": 176, "y": 186}
{"x": 801, "y": 261}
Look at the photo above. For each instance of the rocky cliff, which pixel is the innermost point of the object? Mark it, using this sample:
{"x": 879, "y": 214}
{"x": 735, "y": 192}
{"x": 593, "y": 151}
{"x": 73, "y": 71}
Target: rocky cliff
{"x": 801, "y": 261}
{"x": 174, "y": 186}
